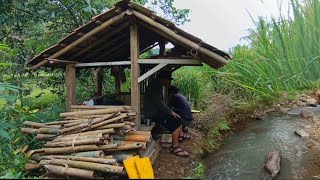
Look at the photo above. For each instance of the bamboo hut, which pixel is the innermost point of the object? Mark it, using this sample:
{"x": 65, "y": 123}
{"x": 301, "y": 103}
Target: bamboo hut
{"x": 116, "y": 39}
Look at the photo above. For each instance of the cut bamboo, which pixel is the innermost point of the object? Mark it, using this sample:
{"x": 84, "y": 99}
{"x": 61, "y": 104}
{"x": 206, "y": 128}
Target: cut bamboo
{"x": 64, "y": 150}
{"x": 145, "y": 133}
{"x": 45, "y": 136}
{"x": 76, "y": 142}
{"x": 88, "y": 159}
{"x": 33, "y": 124}
{"x": 88, "y": 165}
{"x": 92, "y": 112}
{"x": 114, "y": 125}
{"x": 87, "y": 125}
{"x": 120, "y": 142}
{"x": 61, "y": 122}
{"x": 71, "y": 138}
{"x": 126, "y": 147}
{"x": 137, "y": 137}
{"x": 122, "y": 157}
{"x": 105, "y": 122}
{"x": 46, "y": 130}
{"x": 29, "y": 130}
{"x": 92, "y": 154}
{"x": 31, "y": 166}
{"x": 68, "y": 171}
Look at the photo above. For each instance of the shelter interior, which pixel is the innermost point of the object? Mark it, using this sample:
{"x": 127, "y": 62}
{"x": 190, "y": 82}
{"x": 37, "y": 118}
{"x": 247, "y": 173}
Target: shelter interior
{"x": 119, "y": 39}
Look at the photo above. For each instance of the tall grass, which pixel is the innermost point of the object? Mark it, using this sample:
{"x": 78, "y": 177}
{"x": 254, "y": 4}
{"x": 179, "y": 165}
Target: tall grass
{"x": 283, "y": 55}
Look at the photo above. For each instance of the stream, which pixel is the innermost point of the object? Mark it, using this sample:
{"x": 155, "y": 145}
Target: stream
{"x": 243, "y": 154}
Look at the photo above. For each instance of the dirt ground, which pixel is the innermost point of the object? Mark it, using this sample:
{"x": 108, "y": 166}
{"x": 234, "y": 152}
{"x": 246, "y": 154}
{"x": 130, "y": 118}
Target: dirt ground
{"x": 170, "y": 166}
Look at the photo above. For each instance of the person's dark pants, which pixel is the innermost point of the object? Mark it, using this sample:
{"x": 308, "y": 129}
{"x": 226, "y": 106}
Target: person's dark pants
{"x": 185, "y": 124}
{"x": 167, "y": 121}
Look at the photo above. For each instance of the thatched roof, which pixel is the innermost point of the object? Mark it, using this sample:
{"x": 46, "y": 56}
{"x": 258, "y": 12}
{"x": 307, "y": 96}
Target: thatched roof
{"x": 106, "y": 38}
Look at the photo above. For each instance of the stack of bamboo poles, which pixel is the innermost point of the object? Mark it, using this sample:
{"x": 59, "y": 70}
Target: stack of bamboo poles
{"x": 85, "y": 144}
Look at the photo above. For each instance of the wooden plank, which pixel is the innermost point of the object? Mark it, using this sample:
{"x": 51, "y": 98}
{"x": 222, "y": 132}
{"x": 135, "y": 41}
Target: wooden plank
{"x": 115, "y": 63}
{"x": 135, "y": 73}
{"x": 150, "y": 72}
{"x": 171, "y": 61}
{"x": 70, "y": 77}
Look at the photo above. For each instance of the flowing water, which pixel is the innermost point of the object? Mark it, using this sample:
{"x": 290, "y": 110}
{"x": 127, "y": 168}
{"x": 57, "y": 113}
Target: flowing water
{"x": 244, "y": 153}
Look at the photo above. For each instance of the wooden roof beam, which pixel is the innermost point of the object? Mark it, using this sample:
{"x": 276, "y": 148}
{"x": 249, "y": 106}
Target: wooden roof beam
{"x": 108, "y": 35}
{"x": 99, "y": 64}
{"x": 171, "y": 61}
{"x": 180, "y": 38}
{"x": 86, "y": 36}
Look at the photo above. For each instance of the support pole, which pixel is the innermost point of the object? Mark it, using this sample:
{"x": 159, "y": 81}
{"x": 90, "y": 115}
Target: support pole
{"x": 135, "y": 73}
{"x": 70, "y": 77}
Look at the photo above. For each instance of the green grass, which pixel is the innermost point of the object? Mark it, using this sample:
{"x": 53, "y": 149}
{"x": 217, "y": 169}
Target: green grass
{"x": 283, "y": 56}
{"x": 197, "y": 172}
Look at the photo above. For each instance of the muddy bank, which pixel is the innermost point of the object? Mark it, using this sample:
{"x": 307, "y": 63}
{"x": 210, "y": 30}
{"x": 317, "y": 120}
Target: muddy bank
{"x": 170, "y": 166}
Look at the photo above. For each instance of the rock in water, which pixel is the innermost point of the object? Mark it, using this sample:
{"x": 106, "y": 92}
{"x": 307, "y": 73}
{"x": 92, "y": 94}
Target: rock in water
{"x": 305, "y": 112}
{"x": 301, "y": 133}
{"x": 273, "y": 162}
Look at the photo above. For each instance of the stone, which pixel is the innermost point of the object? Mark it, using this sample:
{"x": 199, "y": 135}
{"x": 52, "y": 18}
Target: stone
{"x": 305, "y": 112}
{"x": 303, "y": 99}
{"x": 300, "y": 103}
{"x": 301, "y": 133}
{"x": 284, "y": 110}
{"x": 273, "y": 162}
{"x": 312, "y": 102}
{"x": 317, "y": 96}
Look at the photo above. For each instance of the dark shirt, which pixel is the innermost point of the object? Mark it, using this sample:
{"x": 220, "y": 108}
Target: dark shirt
{"x": 154, "y": 101}
{"x": 181, "y": 106}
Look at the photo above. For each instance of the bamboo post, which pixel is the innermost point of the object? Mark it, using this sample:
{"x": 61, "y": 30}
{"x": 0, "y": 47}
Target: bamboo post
{"x": 93, "y": 112}
{"x": 135, "y": 72}
{"x": 88, "y": 165}
{"x": 70, "y": 78}
{"x": 74, "y": 172}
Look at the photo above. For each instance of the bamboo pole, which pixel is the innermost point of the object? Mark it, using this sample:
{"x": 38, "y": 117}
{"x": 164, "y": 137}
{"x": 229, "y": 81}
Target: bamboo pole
{"x": 92, "y": 154}
{"x": 48, "y": 130}
{"x": 67, "y": 171}
{"x": 180, "y": 38}
{"x": 87, "y": 125}
{"x": 29, "y": 130}
{"x": 126, "y": 147}
{"x": 104, "y": 122}
{"x": 71, "y": 138}
{"x": 92, "y": 112}
{"x": 64, "y": 150}
{"x": 88, "y": 159}
{"x": 99, "y": 107}
{"x": 77, "y": 142}
{"x": 34, "y": 124}
{"x": 115, "y": 125}
{"x": 88, "y": 165}
{"x": 144, "y": 133}
{"x": 89, "y": 133}
{"x": 45, "y": 136}
{"x": 31, "y": 166}
{"x": 62, "y": 122}
{"x": 120, "y": 142}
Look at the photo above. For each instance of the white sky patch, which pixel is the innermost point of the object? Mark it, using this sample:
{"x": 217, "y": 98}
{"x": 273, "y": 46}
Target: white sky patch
{"x": 222, "y": 23}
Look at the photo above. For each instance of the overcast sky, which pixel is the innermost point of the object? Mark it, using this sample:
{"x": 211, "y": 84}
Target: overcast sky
{"x": 222, "y": 23}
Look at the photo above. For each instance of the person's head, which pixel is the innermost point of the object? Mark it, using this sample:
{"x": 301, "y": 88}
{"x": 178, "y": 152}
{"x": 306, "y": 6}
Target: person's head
{"x": 173, "y": 90}
{"x": 165, "y": 78}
